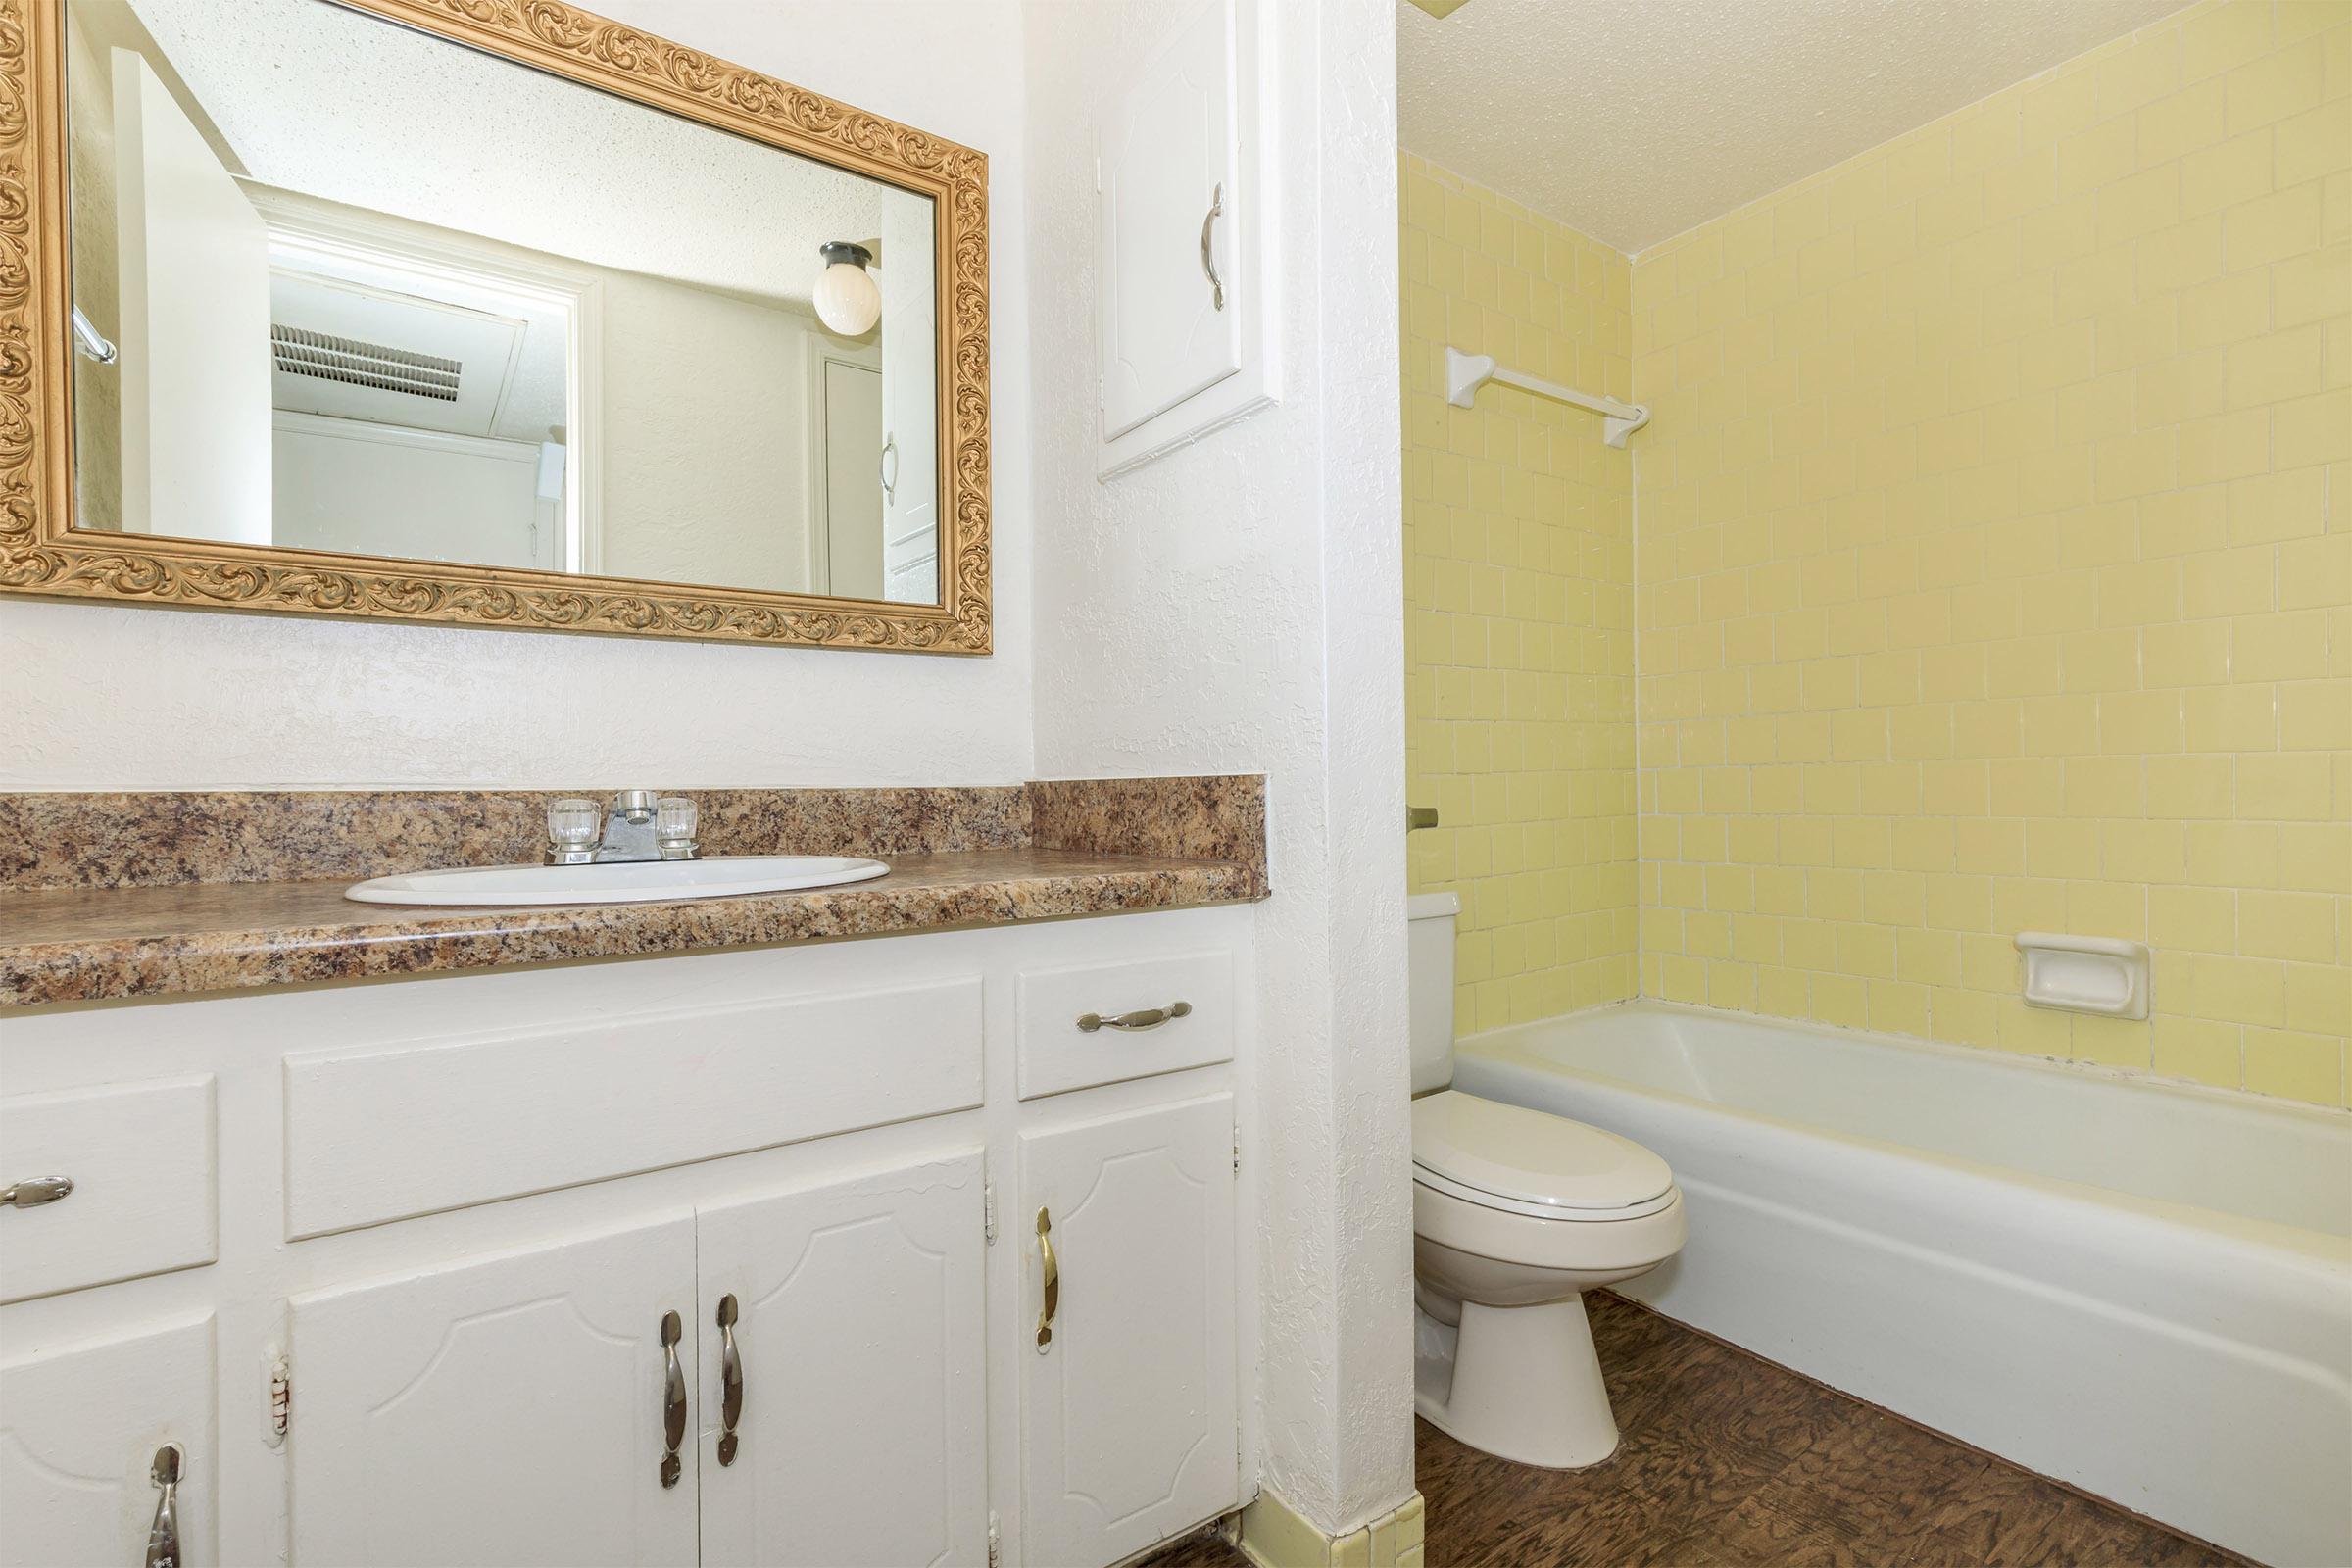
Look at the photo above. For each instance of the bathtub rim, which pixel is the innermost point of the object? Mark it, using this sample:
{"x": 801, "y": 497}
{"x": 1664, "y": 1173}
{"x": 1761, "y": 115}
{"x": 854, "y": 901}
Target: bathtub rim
{"x": 2327, "y": 1248}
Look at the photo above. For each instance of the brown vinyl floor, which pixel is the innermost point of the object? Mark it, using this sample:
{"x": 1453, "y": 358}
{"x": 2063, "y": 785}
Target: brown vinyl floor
{"x": 1729, "y": 1461}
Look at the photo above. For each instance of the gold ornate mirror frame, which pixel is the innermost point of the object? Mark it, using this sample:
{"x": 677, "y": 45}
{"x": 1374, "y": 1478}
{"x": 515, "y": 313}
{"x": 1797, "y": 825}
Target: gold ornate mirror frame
{"x": 42, "y": 552}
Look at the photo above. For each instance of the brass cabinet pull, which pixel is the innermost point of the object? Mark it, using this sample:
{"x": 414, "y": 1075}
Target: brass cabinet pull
{"x": 1045, "y": 1245}
{"x": 730, "y": 1381}
{"x": 673, "y": 1398}
{"x": 1209, "y": 260}
{"x": 163, "y": 1536}
{"x": 34, "y": 1190}
{"x": 1134, "y": 1022}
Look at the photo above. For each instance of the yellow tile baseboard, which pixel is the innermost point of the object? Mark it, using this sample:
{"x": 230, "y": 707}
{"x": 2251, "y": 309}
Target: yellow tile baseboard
{"x": 1274, "y": 1535}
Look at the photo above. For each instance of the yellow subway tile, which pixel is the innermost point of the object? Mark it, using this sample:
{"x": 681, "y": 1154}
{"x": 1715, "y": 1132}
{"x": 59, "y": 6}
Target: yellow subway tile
{"x": 2218, "y": 37}
{"x": 2319, "y": 997}
{"x": 2239, "y": 990}
{"x": 1964, "y": 1017}
{"x": 2314, "y": 716}
{"x": 1841, "y": 1001}
{"x": 2199, "y": 1051}
{"x": 2140, "y": 204}
{"x": 2187, "y": 654}
{"x": 2195, "y": 919}
{"x": 2273, "y": 369}
{"x": 2232, "y": 582}
{"x": 2287, "y": 925}
{"x": 2227, "y": 854}
{"x": 2111, "y": 1043}
{"x": 2284, "y": 786}
{"x": 2033, "y": 1031}
{"x": 2313, "y": 145}
{"x": 2226, "y": 446}
{"x": 2292, "y": 646}
{"x": 2192, "y": 786}
{"x": 2316, "y": 573}
{"x": 2313, "y": 430}
{"x": 2270, "y": 228}
{"x": 2296, "y": 1066}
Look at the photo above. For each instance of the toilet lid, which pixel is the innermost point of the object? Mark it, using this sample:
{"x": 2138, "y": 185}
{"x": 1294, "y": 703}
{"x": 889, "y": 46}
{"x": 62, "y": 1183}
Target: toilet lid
{"x": 1532, "y": 1157}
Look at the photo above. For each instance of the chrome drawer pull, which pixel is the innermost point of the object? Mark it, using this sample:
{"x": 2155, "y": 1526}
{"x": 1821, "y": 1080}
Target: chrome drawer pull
{"x": 730, "y": 1381}
{"x": 163, "y": 1536}
{"x": 34, "y": 1191}
{"x": 1149, "y": 1019}
{"x": 673, "y": 1398}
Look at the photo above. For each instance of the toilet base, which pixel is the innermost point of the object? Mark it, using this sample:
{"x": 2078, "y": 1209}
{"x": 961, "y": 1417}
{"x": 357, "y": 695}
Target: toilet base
{"x": 1523, "y": 1384}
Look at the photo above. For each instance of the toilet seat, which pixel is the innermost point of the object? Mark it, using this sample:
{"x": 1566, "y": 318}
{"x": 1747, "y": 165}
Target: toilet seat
{"x": 1521, "y": 1161}
{"x": 1550, "y": 1213}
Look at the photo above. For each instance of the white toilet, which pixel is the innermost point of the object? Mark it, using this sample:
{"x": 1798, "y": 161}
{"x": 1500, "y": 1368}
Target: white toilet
{"x": 1515, "y": 1215}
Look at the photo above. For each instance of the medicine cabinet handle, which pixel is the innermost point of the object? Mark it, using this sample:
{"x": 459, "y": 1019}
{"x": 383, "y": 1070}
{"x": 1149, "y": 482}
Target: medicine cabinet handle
{"x": 34, "y": 1190}
{"x": 673, "y": 1400}
{"x": 890, "y": 468}
{"x": 1135, "y": 1022}
{"x": 1209, "y": 260}
{"x": 163, "y": 1536}
{"x": 1045, "y": 1245}
{"x": 730, "y": 1381}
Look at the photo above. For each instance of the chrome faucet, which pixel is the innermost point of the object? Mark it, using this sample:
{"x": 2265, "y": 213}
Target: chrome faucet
{"x": 637, "y": 825}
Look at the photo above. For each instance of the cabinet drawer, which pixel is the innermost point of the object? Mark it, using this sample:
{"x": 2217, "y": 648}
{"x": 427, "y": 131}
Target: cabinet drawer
{"x": 141, "y": 1158}
{"x": 1057, "y": 1052}
{"x": 385, "y": 1134}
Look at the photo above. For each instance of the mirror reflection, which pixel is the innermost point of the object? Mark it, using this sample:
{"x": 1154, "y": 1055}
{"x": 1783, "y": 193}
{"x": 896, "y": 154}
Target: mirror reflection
{"x": 339, "y": 285}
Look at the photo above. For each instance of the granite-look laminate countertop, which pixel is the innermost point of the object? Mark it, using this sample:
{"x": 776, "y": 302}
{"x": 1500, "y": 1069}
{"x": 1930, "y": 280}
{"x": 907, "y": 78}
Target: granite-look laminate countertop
{"x": 107, "y": 896}
{"x": 88, "y": 943}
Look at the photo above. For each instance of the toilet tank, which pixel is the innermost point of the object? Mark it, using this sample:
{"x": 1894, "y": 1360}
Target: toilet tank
{"x": 1429, "y": 919}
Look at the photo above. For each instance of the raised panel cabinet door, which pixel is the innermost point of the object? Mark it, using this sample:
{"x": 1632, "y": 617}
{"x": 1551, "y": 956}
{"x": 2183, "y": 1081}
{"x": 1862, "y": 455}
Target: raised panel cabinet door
{"x": 1167, "y": 212}
{"x": 509, "y": 1410}
{"x": 81, "y": 1426}
{"x": 1129, "y": 1402}
{"x": 856, "y": 1317}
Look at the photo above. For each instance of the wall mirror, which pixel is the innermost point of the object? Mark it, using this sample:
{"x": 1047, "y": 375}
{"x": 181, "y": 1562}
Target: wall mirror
{"x": 481, "y": 312}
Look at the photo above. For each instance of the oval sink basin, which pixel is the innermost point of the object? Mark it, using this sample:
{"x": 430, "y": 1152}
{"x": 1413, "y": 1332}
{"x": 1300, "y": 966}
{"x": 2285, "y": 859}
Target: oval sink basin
{"x": 624, "y": 882}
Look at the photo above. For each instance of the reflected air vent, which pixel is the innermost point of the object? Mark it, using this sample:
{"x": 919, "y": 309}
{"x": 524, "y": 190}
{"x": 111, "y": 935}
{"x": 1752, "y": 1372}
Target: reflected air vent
{"x": 352, "y": 363}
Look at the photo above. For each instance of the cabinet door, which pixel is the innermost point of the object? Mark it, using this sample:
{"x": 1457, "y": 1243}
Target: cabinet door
{"x": 509, "y": 1410}
{"x": 79, "y": 1427}
{"x": 859, "y": 1336}
{"x": 1167, "y": 208}
{"x": 1129, "y": 1415}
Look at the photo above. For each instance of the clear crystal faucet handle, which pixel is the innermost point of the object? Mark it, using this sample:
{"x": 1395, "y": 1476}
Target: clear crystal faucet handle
{"x": 675, "y": 818}
{"x": 573, "y": 825}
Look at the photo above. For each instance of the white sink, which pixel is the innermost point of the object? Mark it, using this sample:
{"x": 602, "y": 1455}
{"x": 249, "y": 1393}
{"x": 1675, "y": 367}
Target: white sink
{"x": 624, "y": 882}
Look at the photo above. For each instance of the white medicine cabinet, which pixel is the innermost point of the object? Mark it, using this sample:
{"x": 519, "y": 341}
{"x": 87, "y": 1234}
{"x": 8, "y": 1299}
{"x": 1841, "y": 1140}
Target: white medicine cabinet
{"x": 1183, "y": 247}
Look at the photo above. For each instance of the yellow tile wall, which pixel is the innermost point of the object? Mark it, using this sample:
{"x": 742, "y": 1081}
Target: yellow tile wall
{"x": 1519, "y": 691}
{"x": 1995, "y": 562}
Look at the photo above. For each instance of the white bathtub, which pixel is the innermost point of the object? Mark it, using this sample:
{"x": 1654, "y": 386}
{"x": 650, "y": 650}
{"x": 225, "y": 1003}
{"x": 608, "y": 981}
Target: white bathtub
{"x": 2142, "y": 1290}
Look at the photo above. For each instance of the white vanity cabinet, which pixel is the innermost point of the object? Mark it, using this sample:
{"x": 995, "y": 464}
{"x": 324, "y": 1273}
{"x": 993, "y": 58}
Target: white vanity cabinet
{"x": 856, "y": 1335}
{"x": 507, "y": 1411}
{"x": 82, "y": 1422}
{"x": 1127, "y": 1404}
{"x": 454, "y": 1214}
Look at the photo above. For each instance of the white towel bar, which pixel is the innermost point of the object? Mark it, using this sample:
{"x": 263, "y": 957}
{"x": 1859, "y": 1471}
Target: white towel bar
{"x": 1465, "y": 374}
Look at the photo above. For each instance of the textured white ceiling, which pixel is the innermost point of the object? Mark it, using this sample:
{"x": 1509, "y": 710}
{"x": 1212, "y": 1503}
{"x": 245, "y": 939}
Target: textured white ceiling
{"x": 327, "y": 102}
{"x": 1632, "y": 120}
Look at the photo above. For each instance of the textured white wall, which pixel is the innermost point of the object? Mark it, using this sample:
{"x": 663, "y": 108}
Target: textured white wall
{"x": 1238, "y": 605}
{"x": 107, "y": 696}
{"x": 688, "y": 498}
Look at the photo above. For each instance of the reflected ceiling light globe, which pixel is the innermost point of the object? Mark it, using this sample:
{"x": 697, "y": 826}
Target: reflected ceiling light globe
{"x": 846, "y": 298}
